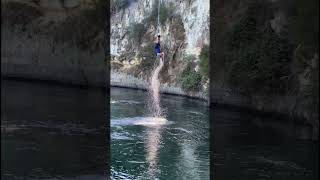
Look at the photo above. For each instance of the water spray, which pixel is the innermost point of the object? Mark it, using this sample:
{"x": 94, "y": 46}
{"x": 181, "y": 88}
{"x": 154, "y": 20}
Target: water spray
{"x": 154, "y": 90}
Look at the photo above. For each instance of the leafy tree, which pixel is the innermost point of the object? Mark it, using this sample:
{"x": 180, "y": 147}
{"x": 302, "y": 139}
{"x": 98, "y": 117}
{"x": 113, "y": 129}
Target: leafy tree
{"x": 204, "y": 61}
{"x": 136, "y": 32}
{"x": 259, "y": 58}
{"x": 190, "y": 79}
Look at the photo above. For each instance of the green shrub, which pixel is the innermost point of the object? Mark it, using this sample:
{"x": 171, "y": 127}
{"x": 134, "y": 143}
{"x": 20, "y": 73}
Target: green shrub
{"x": 166, "y": 12}
{"x": 259, "y": 59}
{"x": 304, "y": 22}
{"x": 189, "y": 58}
{"x": 118, "y": 5}
{"x": 303, "y": 30}
{"x": 190, "y": 79}
{"x": 204, "y": 61}
{"x": 177, "y": 28}
{"x": 146, "y": 65}
{"x": 148, "y": 58}
{"x": 15, "y": 13}
{"x": 81, "y": 29}
{"x": 136, "y": 32}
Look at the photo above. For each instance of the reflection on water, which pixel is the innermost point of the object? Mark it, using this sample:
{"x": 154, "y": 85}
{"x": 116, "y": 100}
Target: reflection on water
{"x": 52, "y": 132}
{"x": 146, "y": 148}
{"x": 152, "y": 146}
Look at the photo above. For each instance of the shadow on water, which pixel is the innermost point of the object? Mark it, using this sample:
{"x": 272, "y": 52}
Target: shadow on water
{"x": 52, "y": 131}
{"x": 252, "y": 146}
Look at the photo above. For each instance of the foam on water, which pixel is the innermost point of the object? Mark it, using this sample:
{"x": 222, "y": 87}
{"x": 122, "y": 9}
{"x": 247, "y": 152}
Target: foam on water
{"x": 143, "y": 121}
{"x": 120, "y": 136}
{"x": 184, "y": 130}
{"x": 125, "y": 102}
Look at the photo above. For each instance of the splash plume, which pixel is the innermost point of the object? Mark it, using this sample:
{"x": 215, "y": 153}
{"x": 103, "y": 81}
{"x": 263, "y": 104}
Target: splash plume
{"x": 154, "y": 91}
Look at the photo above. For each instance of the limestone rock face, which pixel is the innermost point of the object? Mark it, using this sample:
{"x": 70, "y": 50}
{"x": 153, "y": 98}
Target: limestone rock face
{"x": 195, "y": 20}
{"x": 184, "y": 32}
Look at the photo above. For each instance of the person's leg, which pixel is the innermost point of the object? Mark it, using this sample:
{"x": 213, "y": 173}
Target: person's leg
{"x": 162, "y": 55}
{"x": 161, "y": 59}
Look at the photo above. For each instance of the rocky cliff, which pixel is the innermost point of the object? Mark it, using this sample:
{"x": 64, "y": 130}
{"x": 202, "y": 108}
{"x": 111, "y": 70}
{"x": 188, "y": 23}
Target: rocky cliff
{"x": 59, "y": 40}
{"x": 184, "y": 27}
{"x": 267, "y": 57}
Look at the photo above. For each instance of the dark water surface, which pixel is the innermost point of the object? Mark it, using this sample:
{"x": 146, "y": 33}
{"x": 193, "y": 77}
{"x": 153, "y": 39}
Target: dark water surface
{"x": 52, "y": 131}
{"x": 178, "y": 149}
{"x": 58, "y": 132}
{"x": 252, "y": 147}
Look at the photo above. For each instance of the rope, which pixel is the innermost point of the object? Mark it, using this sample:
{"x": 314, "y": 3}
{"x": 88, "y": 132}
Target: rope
{"x": 158, "y": 29}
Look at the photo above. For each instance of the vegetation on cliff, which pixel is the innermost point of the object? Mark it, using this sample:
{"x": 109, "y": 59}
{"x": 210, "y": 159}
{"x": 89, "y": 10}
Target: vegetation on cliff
{"x": 83, "y": 28}
{"x": 190, "y": 79}
{"x": 204, "y": 61}
{"x": 15, "y": 14}
{"x": 118, "y": 5}
{"x": 89, "y": 24}
{"x": 270, "y": 48}
{"x": 178, "y": 69}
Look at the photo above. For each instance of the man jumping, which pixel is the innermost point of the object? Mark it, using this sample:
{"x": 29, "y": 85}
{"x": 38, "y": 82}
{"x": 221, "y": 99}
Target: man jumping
{"x": 159, "y": 53}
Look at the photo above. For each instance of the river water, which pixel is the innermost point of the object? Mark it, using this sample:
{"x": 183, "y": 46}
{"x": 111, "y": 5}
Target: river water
{"x": 176, "y": 149}
{"x": 250, "y": 146}
{"x": 58, "y": 132}
{"x": 52, "y": 132}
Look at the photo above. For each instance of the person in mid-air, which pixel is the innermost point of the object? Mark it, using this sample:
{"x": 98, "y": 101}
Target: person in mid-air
{"x": 159, "y": 53}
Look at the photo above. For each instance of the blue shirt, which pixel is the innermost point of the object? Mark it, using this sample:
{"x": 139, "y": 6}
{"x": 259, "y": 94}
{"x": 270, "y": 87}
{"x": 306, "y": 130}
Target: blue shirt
{"x": 157, "y": 48}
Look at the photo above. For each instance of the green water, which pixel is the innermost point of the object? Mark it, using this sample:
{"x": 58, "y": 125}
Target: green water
{"x": 178, "y": 149}
{"x": 57, "y": 132}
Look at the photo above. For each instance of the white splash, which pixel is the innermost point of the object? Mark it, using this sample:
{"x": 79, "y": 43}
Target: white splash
{"x": 142, "y": 121}
{"x": 154, "y": 90}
